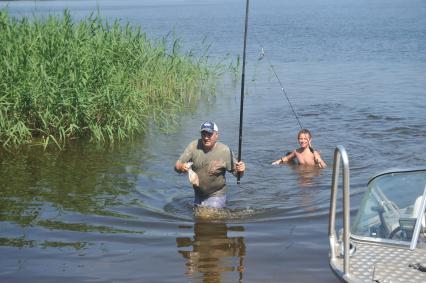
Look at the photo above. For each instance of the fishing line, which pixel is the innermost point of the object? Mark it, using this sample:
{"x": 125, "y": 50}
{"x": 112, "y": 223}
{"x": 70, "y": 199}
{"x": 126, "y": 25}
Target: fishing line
{"x": 261, "y": 56}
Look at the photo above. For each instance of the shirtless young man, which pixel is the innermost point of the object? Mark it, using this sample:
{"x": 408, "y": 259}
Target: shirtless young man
{"x": 305, "y": 154}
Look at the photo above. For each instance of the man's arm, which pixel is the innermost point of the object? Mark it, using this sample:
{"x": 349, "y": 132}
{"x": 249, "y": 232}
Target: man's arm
{"x": 286, "y": 158}
{"x": 318, "y": 160}
{"x": 181, "y": 167}
{"x": 240, "y": 167}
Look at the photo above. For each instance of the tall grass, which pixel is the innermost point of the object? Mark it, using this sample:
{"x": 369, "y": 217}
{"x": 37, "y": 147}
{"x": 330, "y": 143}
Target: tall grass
{"x": 61, "y": 80}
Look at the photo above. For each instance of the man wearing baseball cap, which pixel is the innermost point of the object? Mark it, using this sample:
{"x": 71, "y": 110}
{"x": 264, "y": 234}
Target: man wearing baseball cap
{"x": 210, "y": 160}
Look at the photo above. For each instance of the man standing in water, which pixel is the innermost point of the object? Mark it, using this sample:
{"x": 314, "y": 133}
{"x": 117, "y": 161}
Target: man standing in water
{"x": 209, "y": 160}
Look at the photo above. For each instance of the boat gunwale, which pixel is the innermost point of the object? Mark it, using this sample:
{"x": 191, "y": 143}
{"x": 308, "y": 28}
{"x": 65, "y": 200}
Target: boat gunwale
{"x": 380, "y": 241}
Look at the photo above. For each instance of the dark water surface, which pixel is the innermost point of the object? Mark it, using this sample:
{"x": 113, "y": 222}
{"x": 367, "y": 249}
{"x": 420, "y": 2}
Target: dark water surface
{"x": 355, "y": 74}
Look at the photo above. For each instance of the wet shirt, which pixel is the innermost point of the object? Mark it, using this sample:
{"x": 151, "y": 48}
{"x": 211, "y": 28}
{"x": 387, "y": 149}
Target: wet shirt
{"x": 210, "y": 166}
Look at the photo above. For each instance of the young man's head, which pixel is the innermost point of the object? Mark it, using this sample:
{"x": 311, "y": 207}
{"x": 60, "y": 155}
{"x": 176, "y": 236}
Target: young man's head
{"x": 209, "y": 134}
{"x": 304, "y": 137}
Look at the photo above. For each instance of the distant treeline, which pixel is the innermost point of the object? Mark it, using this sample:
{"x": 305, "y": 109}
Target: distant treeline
{"x": 61, "y": 80}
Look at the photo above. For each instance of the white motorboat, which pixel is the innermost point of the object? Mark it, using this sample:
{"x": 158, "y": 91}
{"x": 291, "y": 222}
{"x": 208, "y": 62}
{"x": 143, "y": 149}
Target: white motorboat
{"x": 387, "y": 240}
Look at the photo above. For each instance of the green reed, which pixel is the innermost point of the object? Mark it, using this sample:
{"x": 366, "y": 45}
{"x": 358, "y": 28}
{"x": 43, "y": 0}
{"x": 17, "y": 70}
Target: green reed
{"x": 61, "y": 80}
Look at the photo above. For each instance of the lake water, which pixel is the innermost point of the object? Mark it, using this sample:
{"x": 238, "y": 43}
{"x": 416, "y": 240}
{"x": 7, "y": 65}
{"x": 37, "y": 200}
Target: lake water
{"x": 354, "y": 72}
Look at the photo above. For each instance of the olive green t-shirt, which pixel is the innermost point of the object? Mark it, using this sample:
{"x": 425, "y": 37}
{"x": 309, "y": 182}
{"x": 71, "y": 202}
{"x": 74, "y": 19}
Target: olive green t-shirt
{"x": 210, "y": 166}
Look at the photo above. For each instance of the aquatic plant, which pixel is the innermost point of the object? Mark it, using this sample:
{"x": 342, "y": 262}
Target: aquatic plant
{"x": 62, "y": 80}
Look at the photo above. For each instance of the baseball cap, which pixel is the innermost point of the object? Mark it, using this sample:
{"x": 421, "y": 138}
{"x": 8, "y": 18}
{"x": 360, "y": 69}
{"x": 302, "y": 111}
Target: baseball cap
{"x": 209, "y": 126}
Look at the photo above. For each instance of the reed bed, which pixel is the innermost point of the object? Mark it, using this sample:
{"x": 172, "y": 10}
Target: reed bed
{"x": 62, "y": 80}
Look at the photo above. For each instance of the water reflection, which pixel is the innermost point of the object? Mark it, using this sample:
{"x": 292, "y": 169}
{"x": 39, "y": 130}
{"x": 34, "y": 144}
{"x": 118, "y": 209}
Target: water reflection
{"x": 211, "y": 255}
{"x": 308, "y": 184}
{"x": 38, "y": 186}
{"x": 306, "y": 175}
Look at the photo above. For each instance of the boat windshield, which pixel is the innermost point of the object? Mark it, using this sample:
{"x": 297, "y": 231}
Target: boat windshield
{"x": 390, "y": 207}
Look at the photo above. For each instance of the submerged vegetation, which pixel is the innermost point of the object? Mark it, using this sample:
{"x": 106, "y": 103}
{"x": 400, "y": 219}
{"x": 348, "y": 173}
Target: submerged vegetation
{"x": 62, "y": 80}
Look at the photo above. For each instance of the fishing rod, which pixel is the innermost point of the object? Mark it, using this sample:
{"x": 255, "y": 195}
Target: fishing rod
{"x": 240, "y": 139}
